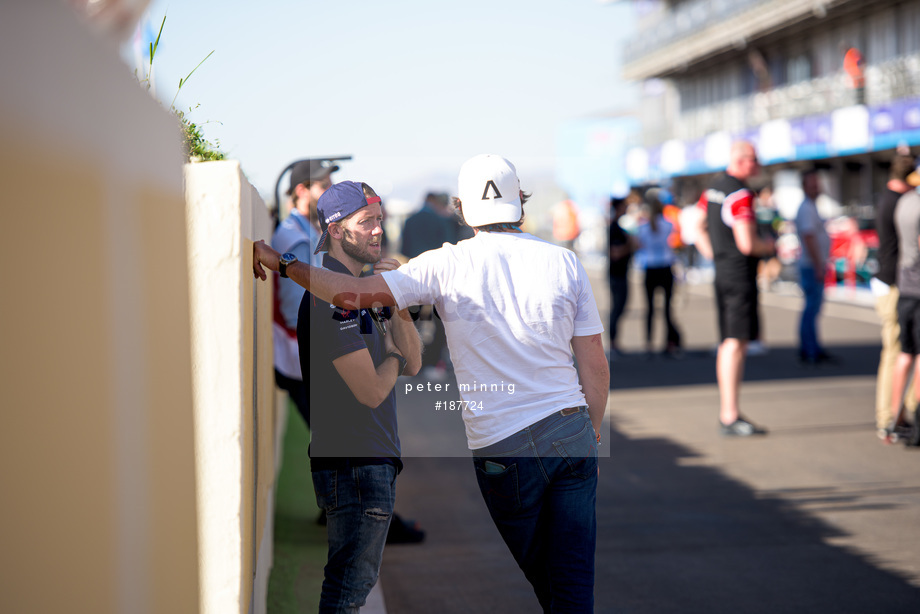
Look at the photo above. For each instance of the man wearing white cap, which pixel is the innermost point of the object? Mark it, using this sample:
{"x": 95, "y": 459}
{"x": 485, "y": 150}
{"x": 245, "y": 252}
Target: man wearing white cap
{"x": 515, "y": 309}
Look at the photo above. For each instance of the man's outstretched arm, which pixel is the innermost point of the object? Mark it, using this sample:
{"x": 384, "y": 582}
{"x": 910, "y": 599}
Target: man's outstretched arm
{"x": 337, "y": 288}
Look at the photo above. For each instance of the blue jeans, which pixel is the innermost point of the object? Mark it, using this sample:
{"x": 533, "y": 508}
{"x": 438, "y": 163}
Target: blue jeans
{"x": 359, "y": 506}
{"x": 813, "y": 289}
{"x": 540, "y": 486}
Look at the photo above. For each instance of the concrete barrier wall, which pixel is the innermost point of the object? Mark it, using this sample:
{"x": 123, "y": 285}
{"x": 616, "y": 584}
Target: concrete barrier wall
{"x": 137, "y": 455}
{"x": 97, "y": 461}
{"x": 235, "y": 417}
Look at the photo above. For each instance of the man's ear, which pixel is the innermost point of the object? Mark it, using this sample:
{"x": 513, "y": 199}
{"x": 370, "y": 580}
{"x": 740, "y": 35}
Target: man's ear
{"x": 335, "y": 231}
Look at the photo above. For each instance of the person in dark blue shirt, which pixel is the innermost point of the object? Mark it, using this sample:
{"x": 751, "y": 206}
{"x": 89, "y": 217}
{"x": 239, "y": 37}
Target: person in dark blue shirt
{"x": 429, "y": 228}
{"x": 353, "y": 361}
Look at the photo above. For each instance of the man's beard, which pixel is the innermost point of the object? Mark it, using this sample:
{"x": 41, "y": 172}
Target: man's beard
{"x": 351, "y": 248}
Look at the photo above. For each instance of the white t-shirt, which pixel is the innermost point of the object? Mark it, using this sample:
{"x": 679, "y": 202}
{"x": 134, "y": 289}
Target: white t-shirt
{"x": 689, "y": 220}
{"x": 510, "y": 304}
{"x": 809, "y": 222}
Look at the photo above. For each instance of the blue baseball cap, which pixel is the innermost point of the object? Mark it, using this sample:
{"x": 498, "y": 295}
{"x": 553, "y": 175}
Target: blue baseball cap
{"x": 338, "y": 202}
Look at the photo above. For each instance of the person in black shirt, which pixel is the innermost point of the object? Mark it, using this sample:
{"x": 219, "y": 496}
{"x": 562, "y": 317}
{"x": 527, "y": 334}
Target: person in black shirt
{"x": 429, "y": 228}
{"x": 728, "y": 236}
{"x": 621, "y": 250}
{"x": 884, "y": 286}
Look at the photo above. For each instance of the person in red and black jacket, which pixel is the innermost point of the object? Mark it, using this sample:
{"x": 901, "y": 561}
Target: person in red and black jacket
{"x": 728, "y": 236}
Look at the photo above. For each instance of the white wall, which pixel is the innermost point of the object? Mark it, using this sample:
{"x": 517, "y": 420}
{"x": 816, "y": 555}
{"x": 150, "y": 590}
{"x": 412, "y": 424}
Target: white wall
{"x": 136, "y": 348}
{"x": 96, "y": 449}
{"x": 235, "y": 418}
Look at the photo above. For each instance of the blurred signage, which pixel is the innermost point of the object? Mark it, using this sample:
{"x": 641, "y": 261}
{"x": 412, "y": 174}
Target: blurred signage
{"x": 776, "y": 142}
{"x": 846, "y": 131}
{"x": 716, "y": 149}
{"x": 850, "y": 130}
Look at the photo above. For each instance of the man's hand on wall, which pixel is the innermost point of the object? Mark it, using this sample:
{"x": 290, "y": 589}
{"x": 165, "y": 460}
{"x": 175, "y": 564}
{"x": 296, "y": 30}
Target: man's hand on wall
{"x": 263, "y": 254}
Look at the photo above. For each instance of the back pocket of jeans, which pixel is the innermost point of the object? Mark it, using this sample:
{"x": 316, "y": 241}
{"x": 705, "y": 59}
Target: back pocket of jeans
{"x": 579, "y": 451}
{"x": 500, "y": 487}
{"x": 324, "y": 485}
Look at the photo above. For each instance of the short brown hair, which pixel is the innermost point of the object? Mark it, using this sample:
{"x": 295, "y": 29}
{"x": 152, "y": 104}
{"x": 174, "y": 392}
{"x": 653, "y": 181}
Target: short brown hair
{"x": 901, "y": 167}
{"x": 504, "y": 226}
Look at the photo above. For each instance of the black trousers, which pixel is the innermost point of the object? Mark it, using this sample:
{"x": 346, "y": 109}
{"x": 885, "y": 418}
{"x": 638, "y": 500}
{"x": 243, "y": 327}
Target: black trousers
{"x": 619, "y": 291}
{"x": 655, "y": 278}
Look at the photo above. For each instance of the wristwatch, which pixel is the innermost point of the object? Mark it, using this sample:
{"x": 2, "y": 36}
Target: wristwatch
{"x": 286, "y": 259}
{"x": 400, "y": 359}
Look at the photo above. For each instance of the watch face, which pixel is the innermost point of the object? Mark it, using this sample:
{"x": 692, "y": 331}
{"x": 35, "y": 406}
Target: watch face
{"x": 286, "y": 259}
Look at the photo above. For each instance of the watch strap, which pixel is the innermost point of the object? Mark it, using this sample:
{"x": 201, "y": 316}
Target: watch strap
{"x": 400, "y": 359}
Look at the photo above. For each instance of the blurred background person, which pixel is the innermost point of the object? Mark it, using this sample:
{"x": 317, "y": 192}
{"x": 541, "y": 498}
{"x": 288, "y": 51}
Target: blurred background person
{"x": 671, "y": 213}
{"x": 297, "y": 234}
{"x": 689, "y": 217}
{"x": 907, "y": 223}
{"x": 768, "y": 224}
{"x": 812, "y": 267}
{"x": 656, "y": 258}
{"x": 429, "y": 228}
{"x": 853, "y": 67}
{"x": 621, "y": 248}
{"x": 565, "y": 224}
{"x": 885, "y": 290}
{"x": 728, "y": 236}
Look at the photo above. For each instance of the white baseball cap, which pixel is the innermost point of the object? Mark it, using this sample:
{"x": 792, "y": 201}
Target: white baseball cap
{"x": 489, "y": 191}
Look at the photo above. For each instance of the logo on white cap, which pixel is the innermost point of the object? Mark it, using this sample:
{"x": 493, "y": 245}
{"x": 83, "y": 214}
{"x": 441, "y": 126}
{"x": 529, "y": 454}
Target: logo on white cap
{"x": 485, "y": 193}
{"x": 489, "y": 190}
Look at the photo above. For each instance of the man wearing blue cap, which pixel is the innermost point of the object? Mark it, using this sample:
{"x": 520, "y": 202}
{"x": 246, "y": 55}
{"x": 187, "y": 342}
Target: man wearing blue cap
{"x": 535, "y": 441}
{"x": 355, "y": 356}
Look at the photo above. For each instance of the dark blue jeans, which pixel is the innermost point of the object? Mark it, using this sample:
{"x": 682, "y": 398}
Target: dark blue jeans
{"x": 813, "y": 289}
{"x": 540, "y": 486}
{"x": 359, "y": 506}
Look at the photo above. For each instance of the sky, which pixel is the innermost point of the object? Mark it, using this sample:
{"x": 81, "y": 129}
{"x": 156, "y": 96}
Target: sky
{"x": 409, "y": 88}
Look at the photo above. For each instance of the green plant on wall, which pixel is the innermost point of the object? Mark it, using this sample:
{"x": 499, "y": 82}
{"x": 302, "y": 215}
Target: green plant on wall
{"x": 197, "y": 147}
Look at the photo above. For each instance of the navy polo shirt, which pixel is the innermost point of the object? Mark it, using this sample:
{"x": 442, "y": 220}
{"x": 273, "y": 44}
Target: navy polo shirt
{"x": 344, "y": 431}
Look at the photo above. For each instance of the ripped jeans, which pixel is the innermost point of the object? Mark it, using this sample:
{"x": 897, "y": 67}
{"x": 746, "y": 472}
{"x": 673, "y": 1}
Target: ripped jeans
{"x": 359, "y": 506}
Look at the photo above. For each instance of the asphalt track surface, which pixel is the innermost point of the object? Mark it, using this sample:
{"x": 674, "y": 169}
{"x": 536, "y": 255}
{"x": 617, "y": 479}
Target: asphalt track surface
{"x": 818, "y": 516}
